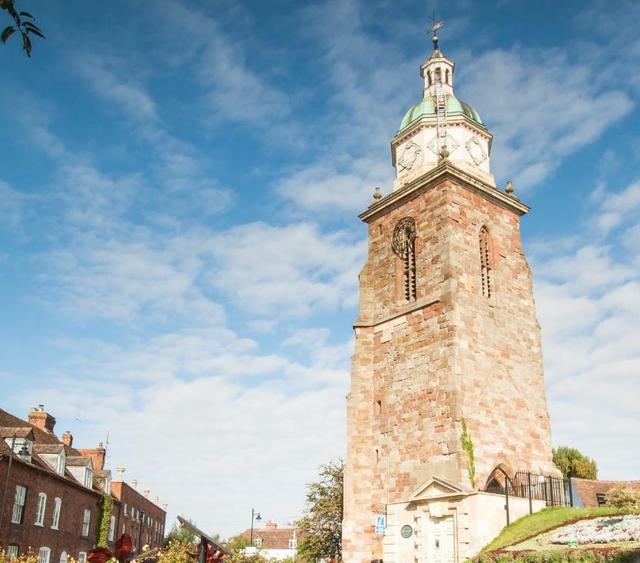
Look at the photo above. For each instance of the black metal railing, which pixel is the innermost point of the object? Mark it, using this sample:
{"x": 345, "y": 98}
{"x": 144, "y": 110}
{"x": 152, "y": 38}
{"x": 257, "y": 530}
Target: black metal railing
{"x": 555, "y": 491}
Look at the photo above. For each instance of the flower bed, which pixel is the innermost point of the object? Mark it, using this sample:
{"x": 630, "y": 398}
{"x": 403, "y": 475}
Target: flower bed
{"x": 599, "y": 530}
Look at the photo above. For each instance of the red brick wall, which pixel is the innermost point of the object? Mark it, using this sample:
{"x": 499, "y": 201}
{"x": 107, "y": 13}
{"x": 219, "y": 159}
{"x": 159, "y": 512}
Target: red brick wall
{"x": 147, "y": 531}
{"x": 28, "y": 536}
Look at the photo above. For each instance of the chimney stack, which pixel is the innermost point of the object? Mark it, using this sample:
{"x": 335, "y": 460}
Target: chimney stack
{"x": 67, "y": 439}
{"x": 41, "y": 419}
{"x": 97, "y": 456}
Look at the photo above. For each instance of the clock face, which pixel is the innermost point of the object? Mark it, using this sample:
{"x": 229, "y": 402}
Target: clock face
{"x": 411, "y": 155}
{"x": 476, "y": 150}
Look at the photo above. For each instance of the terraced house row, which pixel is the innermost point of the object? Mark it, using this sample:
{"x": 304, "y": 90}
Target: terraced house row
{"x": 55, "y": 497}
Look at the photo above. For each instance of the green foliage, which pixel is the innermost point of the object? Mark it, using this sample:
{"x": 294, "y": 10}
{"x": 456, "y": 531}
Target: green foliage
{"x": 238, "y": 543}
{"x": 104, "y": 520}
{"x": 29, "y": 557}
{"x": 178, "y": 551}
{"x": 320, "y": 530}
{"x": 179, "y": 535}
{"x": 573, "y": 463}
{"x": 467, "y": 446}
{"x": 624, "y": 497}
{"x": 22, "y": 23}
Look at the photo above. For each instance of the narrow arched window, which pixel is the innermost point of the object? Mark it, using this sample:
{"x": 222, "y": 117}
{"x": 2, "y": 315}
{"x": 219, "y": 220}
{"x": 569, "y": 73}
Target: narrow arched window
{"x": 446, "y": 76}
{"x": 485, "y": 263}
{"x": 404, "y": 246}
{"x": 429, "y": 77}
{"x": 438, "y": 75}
{"x": 40, "y": 509}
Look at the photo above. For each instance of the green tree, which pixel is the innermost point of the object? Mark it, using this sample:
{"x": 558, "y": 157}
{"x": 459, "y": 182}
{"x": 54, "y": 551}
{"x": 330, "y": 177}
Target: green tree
{"x": 22, "y": 23}
{"x": 573, "y": 463}
{"x": 237, "y": 543}
{"x": 320, "y": 530}
{"x": 179, "y": 535}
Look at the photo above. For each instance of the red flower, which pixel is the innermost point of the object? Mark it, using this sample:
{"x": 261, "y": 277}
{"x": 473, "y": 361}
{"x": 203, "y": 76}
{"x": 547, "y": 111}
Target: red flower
{"x": 99, "y": 555}
{"x": 124, "y": 547}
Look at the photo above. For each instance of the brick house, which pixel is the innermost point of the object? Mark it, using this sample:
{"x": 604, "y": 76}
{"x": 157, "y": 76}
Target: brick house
{"x": 51, "y": 492}
{"x": 273, "y": 542}
{"x": 590, "y": 493}
{"x": 138, "y": 516}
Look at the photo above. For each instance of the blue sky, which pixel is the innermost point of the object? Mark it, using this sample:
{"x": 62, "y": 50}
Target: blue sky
{"x": 179, "y": 246}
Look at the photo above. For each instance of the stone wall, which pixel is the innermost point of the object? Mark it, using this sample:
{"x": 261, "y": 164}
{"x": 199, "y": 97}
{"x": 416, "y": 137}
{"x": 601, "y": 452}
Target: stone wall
{"x": 422, "y": 365}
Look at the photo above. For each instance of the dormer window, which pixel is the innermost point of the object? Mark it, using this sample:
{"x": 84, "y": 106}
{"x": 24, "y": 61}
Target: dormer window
{"x": 88, "y": 477}
{"x": 61, "y": 463}
{"x": 22, "y": 447}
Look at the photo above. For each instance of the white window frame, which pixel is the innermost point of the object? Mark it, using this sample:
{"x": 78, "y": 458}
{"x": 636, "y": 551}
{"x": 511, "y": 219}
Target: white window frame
{"x": 12, "y": 551}
{"x": 257, "y": 542}
{"x": 55, "y": 520}
{"x": 18, "y": 504}
{"x": 64, "y": 556}
{"x": 44, "y": 554}
{"x": 126, "y": 509}
{"x": 88, "y": 478}
{"x": 112, "y": 527}
{"x": 82, "y": 557}
{"x": 41, "y": 508}
{"x": 86, "y": 522}
{"x": 62, "y": 458}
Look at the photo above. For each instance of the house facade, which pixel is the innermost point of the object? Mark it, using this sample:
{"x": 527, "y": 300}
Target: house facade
{"x": 273, "y": 542}
{"x": 52, "y": 494}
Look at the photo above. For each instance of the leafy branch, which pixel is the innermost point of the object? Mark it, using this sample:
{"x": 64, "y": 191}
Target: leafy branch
{"x": 467, "y": 446}
{"x": 23, "y": 23}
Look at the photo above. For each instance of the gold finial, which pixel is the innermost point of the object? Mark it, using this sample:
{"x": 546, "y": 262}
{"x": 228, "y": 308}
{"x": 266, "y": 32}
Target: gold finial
{"x": 509, "y": 188}
{"x": 377, "y": 193}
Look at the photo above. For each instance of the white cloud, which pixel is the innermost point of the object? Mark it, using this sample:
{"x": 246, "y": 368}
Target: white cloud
{"x": 618, "y": 206}
{"x": 288, "y": 270}
{"x": 321, "y": 187}
{"x": 127, "y": 95}
{"x": 205, "y": 409}
{"x": 541, "y": 106}
{"x": 588, "y": 302}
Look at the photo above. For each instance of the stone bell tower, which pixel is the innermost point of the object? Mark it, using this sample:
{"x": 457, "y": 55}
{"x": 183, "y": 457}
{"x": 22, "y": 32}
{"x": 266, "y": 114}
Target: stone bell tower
{"x": 447, "y": 380}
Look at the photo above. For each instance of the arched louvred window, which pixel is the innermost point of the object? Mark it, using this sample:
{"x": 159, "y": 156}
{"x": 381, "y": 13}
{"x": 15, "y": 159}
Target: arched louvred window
{"x": 404, "y": 246}
{"x": 446, "y": 77}
{"x": 486, "y": 263}
{"x": 429, "y": 78}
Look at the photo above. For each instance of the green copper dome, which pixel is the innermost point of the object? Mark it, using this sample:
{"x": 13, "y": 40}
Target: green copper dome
{"x": 425, "y": 108}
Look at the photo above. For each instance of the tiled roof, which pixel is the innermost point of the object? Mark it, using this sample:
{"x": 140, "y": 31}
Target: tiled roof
{"x": 48, "y": 448}
{"x": 272, "y": 538}
{"x": 10, "y": 421}
{"x": 18, "y": 432}
{"x": 43, "y": 442}
{"x": 78, "y": 460}
{"x": 589, "y": 489}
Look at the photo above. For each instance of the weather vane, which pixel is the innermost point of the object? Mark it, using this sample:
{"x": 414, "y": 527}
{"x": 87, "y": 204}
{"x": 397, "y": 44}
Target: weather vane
{"x": 437, "y": 24}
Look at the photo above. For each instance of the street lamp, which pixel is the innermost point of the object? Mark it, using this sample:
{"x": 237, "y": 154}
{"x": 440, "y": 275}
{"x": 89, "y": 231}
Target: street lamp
{"x": 254, "y": 516}
{"x": 141, "y": 515}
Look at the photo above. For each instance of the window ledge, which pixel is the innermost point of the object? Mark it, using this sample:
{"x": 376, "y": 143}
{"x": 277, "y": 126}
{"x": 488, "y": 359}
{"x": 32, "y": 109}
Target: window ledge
{"x": 39, "y": 524}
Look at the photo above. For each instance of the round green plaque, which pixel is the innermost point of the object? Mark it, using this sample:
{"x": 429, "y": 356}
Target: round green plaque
{"x": 406, "y": 531}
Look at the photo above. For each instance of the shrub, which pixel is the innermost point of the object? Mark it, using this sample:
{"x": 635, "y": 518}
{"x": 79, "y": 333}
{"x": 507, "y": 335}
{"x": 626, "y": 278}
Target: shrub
{"x": 624, "y": 497}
